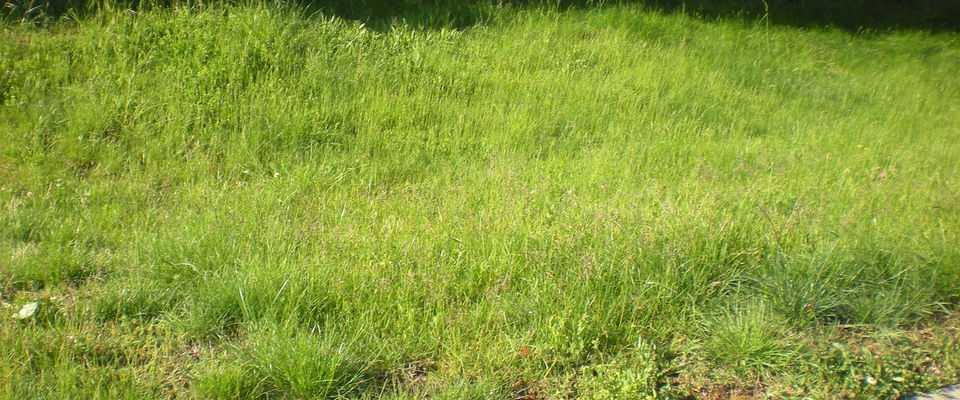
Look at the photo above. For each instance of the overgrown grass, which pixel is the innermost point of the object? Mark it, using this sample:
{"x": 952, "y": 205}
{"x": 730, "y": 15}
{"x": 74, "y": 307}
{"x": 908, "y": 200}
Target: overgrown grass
{"x": 590, "y": 202}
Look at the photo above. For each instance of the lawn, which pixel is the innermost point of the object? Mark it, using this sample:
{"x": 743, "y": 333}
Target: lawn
{"x": 488, "y": 201}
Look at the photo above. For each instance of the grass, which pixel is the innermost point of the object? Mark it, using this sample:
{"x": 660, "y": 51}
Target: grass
{"x": 599, "y": 202}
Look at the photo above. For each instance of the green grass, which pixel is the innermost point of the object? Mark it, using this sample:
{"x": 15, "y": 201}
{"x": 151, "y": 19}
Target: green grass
{"x": 591, "y": 202}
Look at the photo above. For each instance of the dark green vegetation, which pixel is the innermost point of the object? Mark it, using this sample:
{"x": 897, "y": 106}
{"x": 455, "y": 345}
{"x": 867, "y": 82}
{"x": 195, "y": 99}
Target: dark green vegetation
{"x": 853, "y": 15}
{"x": 530, "y": 202}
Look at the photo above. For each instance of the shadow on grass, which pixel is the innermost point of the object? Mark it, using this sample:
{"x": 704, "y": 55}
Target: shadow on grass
{"x": 849, "y": 15}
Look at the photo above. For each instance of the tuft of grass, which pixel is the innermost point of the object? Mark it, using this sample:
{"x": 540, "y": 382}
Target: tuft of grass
{"x": 750, "y": 337}
{"x": 278, "y": 362}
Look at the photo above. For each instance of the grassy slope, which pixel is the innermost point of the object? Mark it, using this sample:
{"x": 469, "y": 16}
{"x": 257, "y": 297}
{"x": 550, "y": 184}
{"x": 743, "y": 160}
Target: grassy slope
{"x": 605, "y": 203}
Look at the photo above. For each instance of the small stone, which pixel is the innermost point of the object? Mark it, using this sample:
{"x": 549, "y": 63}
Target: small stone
{"x": 28, "y": 310}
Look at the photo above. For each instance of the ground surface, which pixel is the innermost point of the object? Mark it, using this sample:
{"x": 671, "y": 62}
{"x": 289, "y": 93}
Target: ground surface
{"x": 597, "y": 202}
{"x": 946, "y": 393}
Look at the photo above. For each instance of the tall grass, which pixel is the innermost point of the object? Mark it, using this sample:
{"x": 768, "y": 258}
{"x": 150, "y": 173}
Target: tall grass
{"x": 252, "y": 200}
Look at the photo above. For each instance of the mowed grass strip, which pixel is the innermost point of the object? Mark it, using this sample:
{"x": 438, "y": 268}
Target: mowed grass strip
{"x": 601, "y": 203}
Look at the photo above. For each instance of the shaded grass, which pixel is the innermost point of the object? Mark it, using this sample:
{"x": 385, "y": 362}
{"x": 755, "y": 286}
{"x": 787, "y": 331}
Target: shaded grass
{"x": 852, "y": 15}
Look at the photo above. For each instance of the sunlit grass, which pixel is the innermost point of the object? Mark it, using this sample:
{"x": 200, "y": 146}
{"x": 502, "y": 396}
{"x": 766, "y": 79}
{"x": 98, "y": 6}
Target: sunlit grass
{"x": 599, "y": 202}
